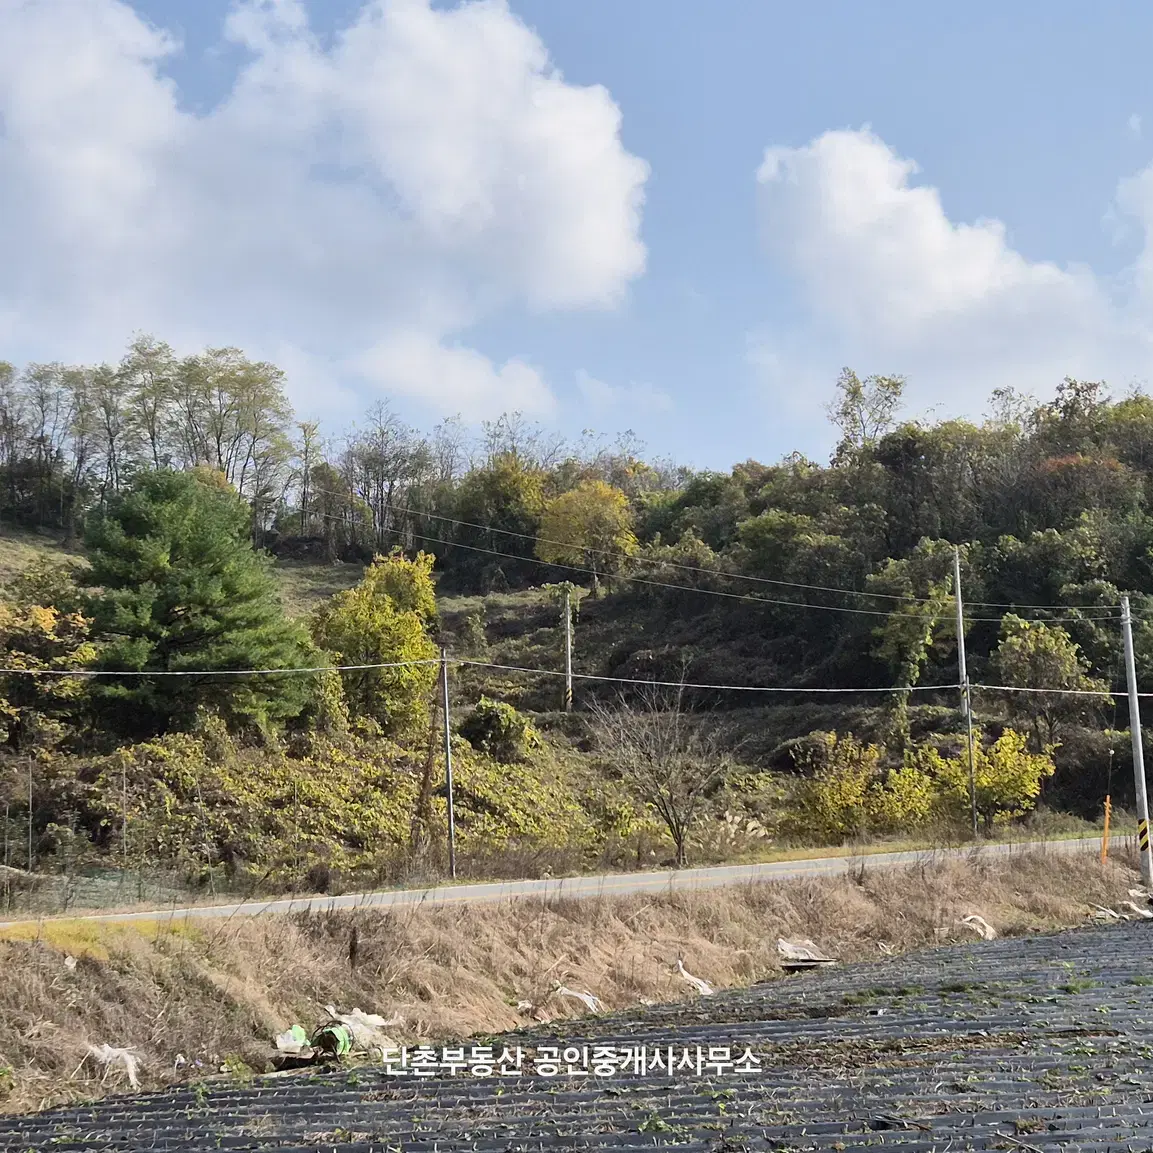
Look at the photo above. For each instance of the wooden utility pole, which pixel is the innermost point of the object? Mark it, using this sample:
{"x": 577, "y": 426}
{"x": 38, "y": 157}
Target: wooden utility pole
{"x": 567, "y": 650}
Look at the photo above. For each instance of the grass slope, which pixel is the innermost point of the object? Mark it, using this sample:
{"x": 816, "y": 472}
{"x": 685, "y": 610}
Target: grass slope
{"x": 19, "y": 549}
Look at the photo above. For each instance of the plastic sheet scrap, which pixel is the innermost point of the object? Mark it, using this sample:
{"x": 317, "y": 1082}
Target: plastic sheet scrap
{"x": 112, "y": 1057}
{"x": 802, "y": 954}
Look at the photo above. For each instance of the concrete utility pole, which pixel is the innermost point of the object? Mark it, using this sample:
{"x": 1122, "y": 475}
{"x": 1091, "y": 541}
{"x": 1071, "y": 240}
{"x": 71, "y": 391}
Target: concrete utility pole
{"x": 963, "y": 677}
{"x": 1138, "y": 751}
{"x": 567, "y": 651}
{"x": 448, "y": 762}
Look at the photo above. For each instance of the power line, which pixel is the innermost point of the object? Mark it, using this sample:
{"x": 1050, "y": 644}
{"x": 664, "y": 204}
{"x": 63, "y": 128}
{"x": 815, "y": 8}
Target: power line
{"x": 698, "y": 569}
{"x": 1106, "y": 614}
{"x": 211, "y": 672}
{"x": 1062, "y": 692}
{"x": 461, "y": 661}
{"x": 634, "y": 579}
{"x": 691, "y": 685}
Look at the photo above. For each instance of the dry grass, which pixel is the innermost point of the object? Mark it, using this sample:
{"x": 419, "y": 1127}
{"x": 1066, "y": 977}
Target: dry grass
{"x": 216, "y": 992}
{"x": 19, "y": 548}
{"x": 304, "y": 585}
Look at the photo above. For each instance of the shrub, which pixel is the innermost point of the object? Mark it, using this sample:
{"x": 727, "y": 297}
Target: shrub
{"x": 496, "y": 728}
{"x": 1007, "y": 776}
{"x": 847, "y": 791}
{"x": 831, "y": 800}
{"x": 384, "y": 621}
{"x": 904, "y": 801}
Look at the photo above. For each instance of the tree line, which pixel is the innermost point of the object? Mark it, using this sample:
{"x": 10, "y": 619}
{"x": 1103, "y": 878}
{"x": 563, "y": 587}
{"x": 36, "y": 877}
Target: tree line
{"x": 71, "y": 437}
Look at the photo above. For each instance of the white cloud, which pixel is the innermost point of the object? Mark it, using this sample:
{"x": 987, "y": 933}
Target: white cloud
{"x": 601, "y": 397}
{"x": 892, "y": 284}
{"x": 454, "y": 379}
{"x": 371, "y": 200}
{"x": 1134, "y": 124}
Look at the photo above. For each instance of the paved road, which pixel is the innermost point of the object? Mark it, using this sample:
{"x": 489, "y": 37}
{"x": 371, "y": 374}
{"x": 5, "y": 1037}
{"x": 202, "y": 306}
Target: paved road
{"x": 573, "y": 887}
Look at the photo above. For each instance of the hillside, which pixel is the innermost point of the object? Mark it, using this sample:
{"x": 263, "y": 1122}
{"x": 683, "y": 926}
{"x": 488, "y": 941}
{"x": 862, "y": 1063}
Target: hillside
{"x": 20, "y": 548}
{"x": 765, "y": 657}
{"x": 618, "y": 634}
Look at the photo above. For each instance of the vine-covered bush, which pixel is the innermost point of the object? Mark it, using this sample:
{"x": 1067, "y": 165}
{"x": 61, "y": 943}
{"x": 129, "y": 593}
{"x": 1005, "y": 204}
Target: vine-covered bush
{"x": 496, "y": 728}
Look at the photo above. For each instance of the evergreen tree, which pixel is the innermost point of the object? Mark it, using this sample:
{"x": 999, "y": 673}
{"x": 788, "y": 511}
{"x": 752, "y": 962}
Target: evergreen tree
{"x": 179, "y": 588}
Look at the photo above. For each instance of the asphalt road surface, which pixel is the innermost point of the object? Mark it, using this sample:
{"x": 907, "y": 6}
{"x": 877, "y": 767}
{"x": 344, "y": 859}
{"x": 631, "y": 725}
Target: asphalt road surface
{"x": 604, "y": 885}
{"x": 1041, "y": 1043}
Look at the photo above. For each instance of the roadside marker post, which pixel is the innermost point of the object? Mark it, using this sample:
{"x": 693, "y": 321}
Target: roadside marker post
{"x": 1138, "y": 751}
{"x": 1105, "y": 834}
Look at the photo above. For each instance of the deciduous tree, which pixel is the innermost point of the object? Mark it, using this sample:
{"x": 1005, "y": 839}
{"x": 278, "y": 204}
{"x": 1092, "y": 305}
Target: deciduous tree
{"x": 591, "y": 526}
{"x": 384, "y": 621}
{"x": 669, "y": 759}
{"x": 1036, "y": 657}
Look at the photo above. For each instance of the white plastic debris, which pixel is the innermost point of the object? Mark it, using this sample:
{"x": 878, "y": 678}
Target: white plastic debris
{"x": 70, "y": 963}
{"x": 885, "y": 948}
{"x": 109, "y": 1056}
{"x": 367, "y": 1029}
{"x": 1143, "y": 914}
{"x": 525, "y": 1006}
{"x": 980, "y": 926}
{"x": 802, "y": 949}
{"x": 587, "y": 999}
{"x": 1100, "y": 913}
{"x": 702, "y": 986}
{"x": 291, "y": 1041}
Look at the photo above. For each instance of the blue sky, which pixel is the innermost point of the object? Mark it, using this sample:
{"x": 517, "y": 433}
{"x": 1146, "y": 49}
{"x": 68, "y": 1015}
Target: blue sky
{"x": 252, "y": 182}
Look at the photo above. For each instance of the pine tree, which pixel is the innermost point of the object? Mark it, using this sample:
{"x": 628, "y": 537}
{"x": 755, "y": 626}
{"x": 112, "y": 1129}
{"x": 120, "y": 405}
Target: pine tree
{"x": 178, "y": 587}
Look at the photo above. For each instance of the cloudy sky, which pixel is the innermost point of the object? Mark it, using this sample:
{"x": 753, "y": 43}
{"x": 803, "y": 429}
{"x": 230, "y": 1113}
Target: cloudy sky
{"x": 665, "y": 215}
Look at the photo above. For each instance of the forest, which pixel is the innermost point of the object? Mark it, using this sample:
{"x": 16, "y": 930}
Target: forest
{"x": 181, "y": 483}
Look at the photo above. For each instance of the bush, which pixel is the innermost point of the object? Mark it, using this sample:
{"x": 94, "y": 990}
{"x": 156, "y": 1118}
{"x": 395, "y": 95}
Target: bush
{"x": 903, "y": 802}
{"x": 831, "y": 800}
{"x": 1007, "y": 776}
{"x": 848, "y": 792}
{"x": 384, "y": 621}
{"x": 496, "y": 728}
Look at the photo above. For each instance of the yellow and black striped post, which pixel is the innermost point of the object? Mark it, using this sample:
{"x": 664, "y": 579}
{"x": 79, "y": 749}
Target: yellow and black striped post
{"x": 1143, "y": 835}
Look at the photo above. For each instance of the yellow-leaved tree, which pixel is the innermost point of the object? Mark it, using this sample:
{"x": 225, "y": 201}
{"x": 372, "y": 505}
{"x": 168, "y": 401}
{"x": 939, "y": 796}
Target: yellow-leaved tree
{"x": 384, "y": 620}
{"x": 40, "y": 632}
{"x": 1006, "y": 775}
{"x": 590, "y": 526}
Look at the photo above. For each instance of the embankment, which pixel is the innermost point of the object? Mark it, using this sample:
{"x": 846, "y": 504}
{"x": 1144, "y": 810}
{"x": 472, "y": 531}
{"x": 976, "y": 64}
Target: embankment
{"x": 195, "y": 996}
